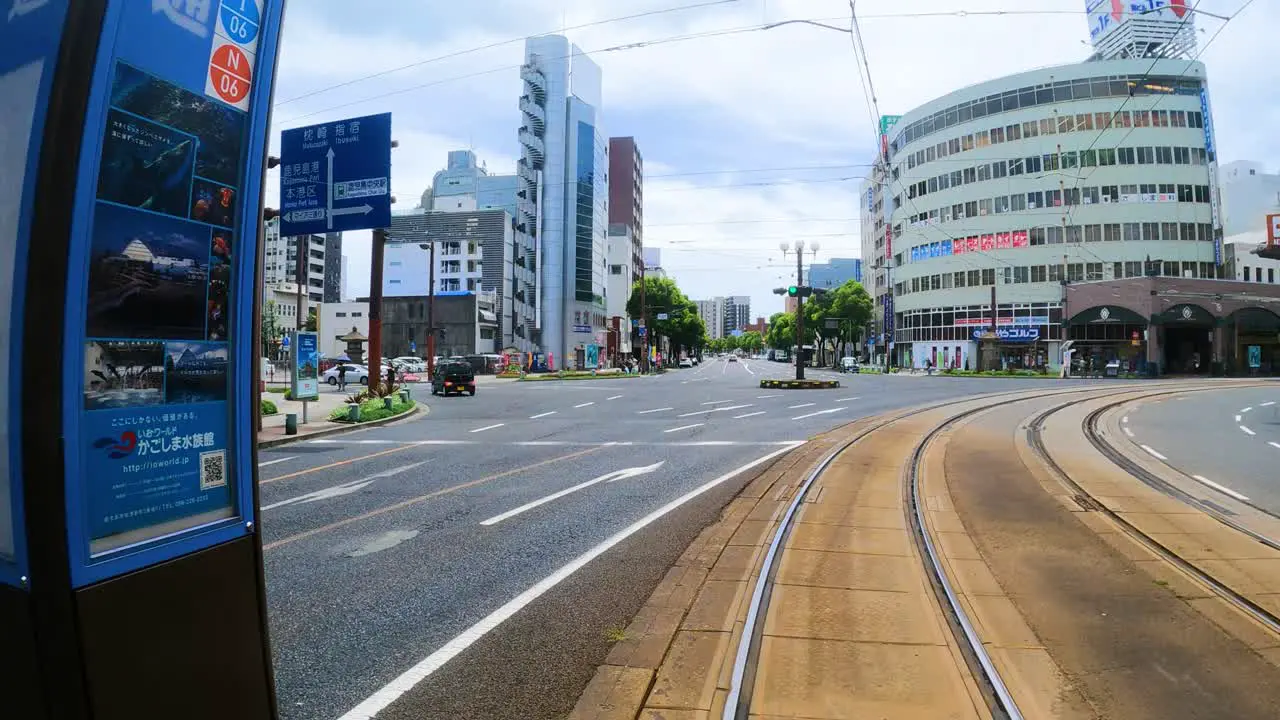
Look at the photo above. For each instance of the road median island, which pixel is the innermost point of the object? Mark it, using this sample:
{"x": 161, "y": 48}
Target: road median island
{"x": 799, "y": 384}
{"x": 573, "y": 375}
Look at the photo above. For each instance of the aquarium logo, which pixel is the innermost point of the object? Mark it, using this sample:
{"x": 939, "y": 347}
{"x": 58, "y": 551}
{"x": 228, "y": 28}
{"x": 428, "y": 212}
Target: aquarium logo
{"x": 190, "y": 15}
{"x": 117, "y": 448}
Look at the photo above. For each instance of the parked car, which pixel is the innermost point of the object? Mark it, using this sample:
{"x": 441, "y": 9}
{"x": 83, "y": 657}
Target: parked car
{"x": 849, "y": 365}
{"x": 454, "y": 376}
{"x": 411, "y": 364}
{"x": 686, "y": 362}
{"x": 355, "y": 374}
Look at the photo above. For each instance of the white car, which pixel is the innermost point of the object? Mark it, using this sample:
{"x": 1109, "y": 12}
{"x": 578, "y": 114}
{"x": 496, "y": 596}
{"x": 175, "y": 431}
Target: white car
{"x": 355, "y": 374}
{"x": 686, "y": 362}
{"x": 408, "y": 363}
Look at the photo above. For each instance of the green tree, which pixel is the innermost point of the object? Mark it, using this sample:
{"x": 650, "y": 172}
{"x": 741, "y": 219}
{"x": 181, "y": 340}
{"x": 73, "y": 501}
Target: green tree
{"x": 781, "y": 333}
{"x": 269, "y": 330}
{"x": 682, "y": 325}
{"x": 312, "y": 320}
{"x": 750, "y": 341}
{"x": 849, "y": 305}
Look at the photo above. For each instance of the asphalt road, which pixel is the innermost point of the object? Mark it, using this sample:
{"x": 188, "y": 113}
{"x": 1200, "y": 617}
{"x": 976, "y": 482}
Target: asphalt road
{"x": 1228, "y": 439}
{"x": 470, "y": 563}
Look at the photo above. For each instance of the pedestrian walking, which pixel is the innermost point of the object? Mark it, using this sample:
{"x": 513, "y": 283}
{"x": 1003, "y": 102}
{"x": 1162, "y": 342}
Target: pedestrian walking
{"x": 342, "y": 377}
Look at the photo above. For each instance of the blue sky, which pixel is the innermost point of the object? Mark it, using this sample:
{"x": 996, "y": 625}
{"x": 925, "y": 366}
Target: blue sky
{"x": 750, "y": 137}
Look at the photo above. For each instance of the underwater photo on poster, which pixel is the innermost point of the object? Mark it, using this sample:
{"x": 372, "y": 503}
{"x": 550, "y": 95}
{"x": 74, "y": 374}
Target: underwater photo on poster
{"x": 148, "y": 275}
{"x": 146, "y": 165}
{"x": 219, "y": 296}
{"x": 195, "y": 372}
{"x": 220, "y": 129}
{"x": 212, "y": 203}
{"x": 122, "y": 374}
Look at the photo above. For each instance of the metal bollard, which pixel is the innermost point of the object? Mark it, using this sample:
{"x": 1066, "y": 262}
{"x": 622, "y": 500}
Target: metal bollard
{"x": 404, "y": 395}
{"x": 291, "y": 424}
{"x": 353, "y": 412}
{"x": 386, "y": 402}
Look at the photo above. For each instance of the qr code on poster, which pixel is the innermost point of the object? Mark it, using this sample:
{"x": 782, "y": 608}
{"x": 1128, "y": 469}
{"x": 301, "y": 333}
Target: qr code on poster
{"x": 213, "y": 469}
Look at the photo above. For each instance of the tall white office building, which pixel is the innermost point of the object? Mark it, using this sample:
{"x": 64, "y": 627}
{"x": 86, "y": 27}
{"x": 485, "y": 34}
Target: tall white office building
{"x": 562, "y": 193}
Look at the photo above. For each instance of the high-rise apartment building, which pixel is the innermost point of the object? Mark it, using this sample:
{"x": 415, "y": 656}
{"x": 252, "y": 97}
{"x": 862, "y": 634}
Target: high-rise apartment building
{"x": 712, "y": 314}
{"x": 281, "y": 258}
{"x": 626, "y": 194}
{"x": 737, "y": 314}
{"x": 562, "y": 192}
{"x": 835, "y": 272}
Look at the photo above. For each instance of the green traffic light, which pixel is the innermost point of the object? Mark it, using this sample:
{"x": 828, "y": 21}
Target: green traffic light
{"x": 793, "y": 291}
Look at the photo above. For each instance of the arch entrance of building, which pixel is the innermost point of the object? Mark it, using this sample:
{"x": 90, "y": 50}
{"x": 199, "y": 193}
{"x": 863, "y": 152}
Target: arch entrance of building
{"x": 1253, "y": 341}
{"x": 1186, "y": 339}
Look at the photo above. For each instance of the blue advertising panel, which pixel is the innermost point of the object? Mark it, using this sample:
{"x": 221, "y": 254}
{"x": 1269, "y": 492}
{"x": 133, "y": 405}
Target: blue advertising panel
{"x": 336, "y": 176}
{"x": 29, "y": 41}
{"x": 306, "y": 366}
{"x": 158, "y": 332}
{"x": 593, "y": 357}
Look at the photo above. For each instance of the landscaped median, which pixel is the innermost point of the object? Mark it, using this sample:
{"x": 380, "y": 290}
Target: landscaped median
{"x": 799, "y": 384}
{"x": 574, "y": 375}
{"x": 372, "y": 409}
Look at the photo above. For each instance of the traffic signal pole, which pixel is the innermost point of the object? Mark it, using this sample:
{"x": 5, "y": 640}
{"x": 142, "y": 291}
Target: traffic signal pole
{"x": 799, "y": 315}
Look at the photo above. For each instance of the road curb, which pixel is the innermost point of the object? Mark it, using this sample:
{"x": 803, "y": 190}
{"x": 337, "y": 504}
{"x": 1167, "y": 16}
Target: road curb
{"x": 419, "y": 408}
{"x": 799, "y": 384}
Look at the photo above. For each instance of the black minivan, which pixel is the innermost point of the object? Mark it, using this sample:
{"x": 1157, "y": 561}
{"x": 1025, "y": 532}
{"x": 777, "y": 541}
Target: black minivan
{"x": 454, "y": 376}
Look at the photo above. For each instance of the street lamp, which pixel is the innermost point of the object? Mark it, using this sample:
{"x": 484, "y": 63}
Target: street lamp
{"x": 798, "y": 247}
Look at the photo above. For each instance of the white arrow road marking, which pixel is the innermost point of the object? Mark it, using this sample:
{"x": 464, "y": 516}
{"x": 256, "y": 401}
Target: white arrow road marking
{"x": 277, "y": 460}
{"x": 1274, "y": 444}
{"x": 762, "y": 397}
{"x": 542, "y": 415}
{"x": 1220, "y": 488}
{"x": 748, "y": 368}
{"x": 646, "y": 412}
{"x": 1245, "y": 410}
{"x": 820, "y": 412}
{"x": 715, "y": 410}
{"x": 344, "y": 489}
{"x": 1267, "y": 404}
{"x": 607, "y": 477}
{"x": 848, "y": 399}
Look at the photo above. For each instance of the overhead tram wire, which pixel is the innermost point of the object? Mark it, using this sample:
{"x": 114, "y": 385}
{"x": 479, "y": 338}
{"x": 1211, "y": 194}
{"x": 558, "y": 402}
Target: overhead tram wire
{"x": 501, "y": 43}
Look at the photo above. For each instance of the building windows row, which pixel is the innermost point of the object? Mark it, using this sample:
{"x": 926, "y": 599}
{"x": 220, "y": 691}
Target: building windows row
{"x": 1146, "y": 193}
{"x": 1257, "y": 274}
{"x": 1052, "y": 162}
{"x": 1056, "y": 273}
{"x": 1114, "y": 86}
{"x": 1058, "y": 124}
{"x": 960, "y": 322}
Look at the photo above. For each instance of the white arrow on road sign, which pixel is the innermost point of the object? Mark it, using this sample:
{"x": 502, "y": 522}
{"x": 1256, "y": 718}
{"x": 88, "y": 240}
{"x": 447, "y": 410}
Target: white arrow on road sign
{"x": 344, "y": 489}
{"x": 607, "y": 477}
{"x": 357, "y": 210}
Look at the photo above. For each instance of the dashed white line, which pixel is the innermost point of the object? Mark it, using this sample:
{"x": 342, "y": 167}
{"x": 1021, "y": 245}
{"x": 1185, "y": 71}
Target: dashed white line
{"x": 750, "y": 414}
{"x": 717, "y": 402}
{"x": 1127, "y": 431}
{"x": 1267, "y": 404}
{"x": 1124, "y": 419}
{"x": 1245, "y": 410}
{"x": 1220, "y": 488}
{"x": 392, "y": 691}
{"x": 567, "y": 491}
{"x": 542, "y": 415}
{"x": 684, "y": 427}
{"x": 820, "y": 412}
{"x": 797, "y": 407}
{"x": 1237, "y": 418}
{"x": 646, "y": 412}
{"x": 1247, "y": 431}
{"x": 714, "y": 410}
{"x": 582, "y": 405}
{"x": 277, "y": 460}
{"x": 613, "y": 397}
{"x": 1274, "y": 444}
{"x": 762, "y": 397}
{"x": 488, "y": 427}
{"x": 849, "y": 399}
{"x": 1153, "y": 452}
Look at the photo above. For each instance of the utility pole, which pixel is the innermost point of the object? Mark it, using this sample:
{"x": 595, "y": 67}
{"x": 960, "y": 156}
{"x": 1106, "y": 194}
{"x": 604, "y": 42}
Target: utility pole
{"x": 799, "y": 314}
{"x": 644, "y": 318}
{"x": 300, "y": 276}
{"x": 375, "y": 308}
{"x": 431, "y": 310}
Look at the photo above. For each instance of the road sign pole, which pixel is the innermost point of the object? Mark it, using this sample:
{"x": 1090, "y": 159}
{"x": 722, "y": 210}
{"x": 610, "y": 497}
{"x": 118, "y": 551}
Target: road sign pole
{"x": 799, "y": 314}
{"x": 431, "y": 311}
{"x": 375, "y": 309}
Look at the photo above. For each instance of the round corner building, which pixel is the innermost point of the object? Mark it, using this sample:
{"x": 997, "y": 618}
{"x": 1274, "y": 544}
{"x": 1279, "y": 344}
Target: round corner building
{"x": 1015, "y": 190}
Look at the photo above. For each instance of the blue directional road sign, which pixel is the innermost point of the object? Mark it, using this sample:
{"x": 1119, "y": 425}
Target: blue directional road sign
{"x": 336, "y": 176}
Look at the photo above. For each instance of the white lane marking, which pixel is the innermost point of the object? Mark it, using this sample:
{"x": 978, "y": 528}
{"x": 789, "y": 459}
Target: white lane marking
{"x": 748, "y": 368}
{"x": 849, "y": 399}
{"x": 1127, "y": 431}
{"x": 715, "y": 410}
{"x": 613, "y": 397}
{"x": 1124, "y": 419}
{"x": 750, "y": 414}
{"x": 762, "y": 397}
{"x": 373, "y": 442}
{"x": 542, "y": 415}
{"x": 724, "y": 369}
{"x": 684, "y": 427}
{"x": 796, "y": 407}
{"x": 1237, "y": 418}
{"x": 343, "y": 489}
{"x": 582, "y": 405}
{"x": 820, "y": 412}
{"x": 607, "y": 477}
{"x": 646, "y": 412}
{"x": 1247, "y": 431}
{"x": 488, "y": 427}
{"x": 1267, "y": 404}
{"x": 1220, "y": 488}
{"x": 1153, "y": 452}
{"x": 1274, "y": 444}
{"x": 1245, "y": 410}
{"x": 717, "y": 402}
{"x": 277, "y": 460}
{"x": 389, "y": 693}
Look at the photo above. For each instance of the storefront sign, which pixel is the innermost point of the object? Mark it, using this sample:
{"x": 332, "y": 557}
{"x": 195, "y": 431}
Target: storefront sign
{"x": 1003, "y": 320}
{"x": 1273, "y": 231}
{"x": 1013, "y": 334}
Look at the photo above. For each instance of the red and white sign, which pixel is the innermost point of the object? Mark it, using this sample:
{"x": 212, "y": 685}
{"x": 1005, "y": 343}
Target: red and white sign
{"x": 1020, "y": 239}
{"x": 957, "y": 246}
{"x": 1004, "y": 241}
{"x": 230, "y": 75}
{"x": 972, "y": 244}
{"x": 1273, "y": 231}
{"x": 987, "y": 242}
